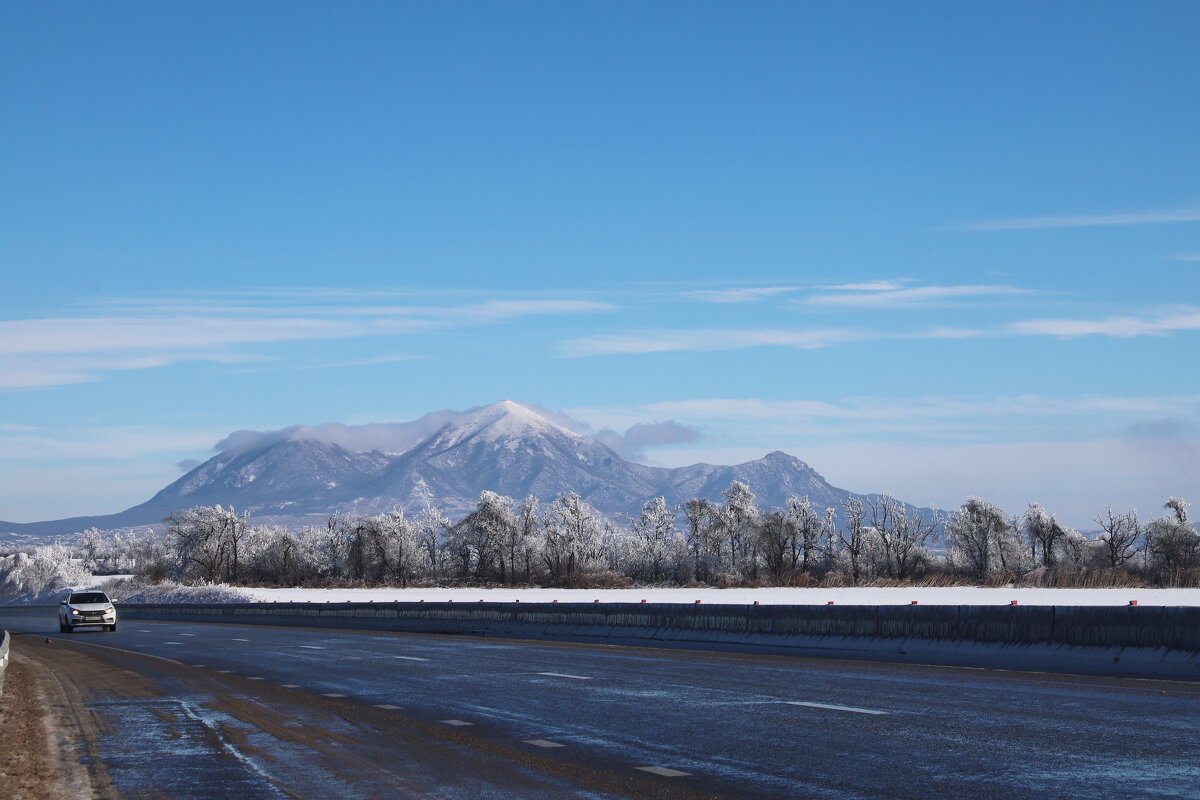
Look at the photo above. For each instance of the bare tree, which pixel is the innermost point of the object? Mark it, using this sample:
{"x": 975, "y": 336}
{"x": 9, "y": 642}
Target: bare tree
{"x": 702, "y": 540}
{"x": 1119, "y": 536}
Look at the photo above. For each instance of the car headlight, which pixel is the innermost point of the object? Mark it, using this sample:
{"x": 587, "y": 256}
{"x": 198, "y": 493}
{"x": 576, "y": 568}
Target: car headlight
{"x": 74, "y": 612}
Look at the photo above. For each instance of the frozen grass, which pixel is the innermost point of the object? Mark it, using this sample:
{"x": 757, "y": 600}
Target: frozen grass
{"x": 863, "y": 596}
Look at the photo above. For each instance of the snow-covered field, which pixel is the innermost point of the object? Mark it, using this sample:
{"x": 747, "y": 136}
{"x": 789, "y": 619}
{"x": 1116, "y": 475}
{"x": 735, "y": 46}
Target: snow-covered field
{"x": 866, "y": 596}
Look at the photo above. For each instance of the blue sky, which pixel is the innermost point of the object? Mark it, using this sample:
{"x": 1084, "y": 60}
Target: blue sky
{"x": 937, "y": 249}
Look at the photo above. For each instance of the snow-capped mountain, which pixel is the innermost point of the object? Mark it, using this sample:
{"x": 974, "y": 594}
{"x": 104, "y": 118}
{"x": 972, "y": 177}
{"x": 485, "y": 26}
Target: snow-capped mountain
{"x": 505, "y": 447}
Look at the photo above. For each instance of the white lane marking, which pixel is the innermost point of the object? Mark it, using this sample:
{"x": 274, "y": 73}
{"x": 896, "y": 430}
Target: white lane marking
{"x": 241, "y": 640}
{"x": 143, "y": 630}
{"x": 255, "y": 678}
{"x": 410, "y": 658}
{"x": 311, "y": 647}
{"x": 331, "y": 694}
{"x": 172, "y": 642}
{"x": 387, "y": 707}
{"x": 290, "y": 685}
{"x": 543, "y": 743}
{"x": 458, "y": 723}
{"x": 564, "y": 675}
{"x": 187, "y": 634}
{"x": 225, "y": 671}
{"x": 666, "y": 772}
{"x": 198, "y": 666}
{"x": 836, "y": 708}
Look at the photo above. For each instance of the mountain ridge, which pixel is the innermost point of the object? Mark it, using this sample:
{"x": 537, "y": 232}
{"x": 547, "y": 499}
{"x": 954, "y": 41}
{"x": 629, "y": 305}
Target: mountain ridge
{"x": 504, "y": 447}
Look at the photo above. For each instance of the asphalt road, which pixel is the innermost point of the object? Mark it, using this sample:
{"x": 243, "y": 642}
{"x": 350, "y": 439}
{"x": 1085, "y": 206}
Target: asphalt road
{"x": 254, "y": 711}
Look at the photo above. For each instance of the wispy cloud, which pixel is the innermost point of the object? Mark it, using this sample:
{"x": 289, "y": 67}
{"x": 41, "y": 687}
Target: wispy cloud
{"x": 738, "y": 294}
{"x": 933, "y": 418}
{"x": 368, "y": 362}
{"x": 868, "y": 286}
{"x": 1186, "y": 257}
{"x": 77, "y": 444}
{"x": 38, "y": 353}
{"x": 1122, "y": 327}
{"x": 665, "y": 341}
{"x": 1088, "y": 220}
{"x": 881, "y": 296}
{"x": 1162, "y": 323}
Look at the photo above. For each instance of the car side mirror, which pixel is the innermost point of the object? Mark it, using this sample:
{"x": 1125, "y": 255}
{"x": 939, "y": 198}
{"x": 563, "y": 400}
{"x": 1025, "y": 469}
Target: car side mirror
{"x": 62, "y": 602}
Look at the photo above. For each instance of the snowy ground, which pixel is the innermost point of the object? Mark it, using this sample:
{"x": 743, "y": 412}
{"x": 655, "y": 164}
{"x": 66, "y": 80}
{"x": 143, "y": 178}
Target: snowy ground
{"x": 845, "y": 596}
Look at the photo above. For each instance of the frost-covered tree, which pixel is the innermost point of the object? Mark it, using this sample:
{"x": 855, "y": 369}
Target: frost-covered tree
{"x": 1172, "y": 542}
{"x": 432, "y": 528}
{"x": 396, "y": 550}
{"x": 1043, "y": 532}
{"x": 901, "y": 535}
{"x": 477, "y": 539}
{"x": 571, "y": 537}
{"x": 739, "y": 521}
{"x": 44, "y": 571}
{"x": 657, "y": 546}
{"x": 525, "y": 545}
{"x": 814, "y": 531}
{"x": 209, "y": 540}
{"x": 982, "y": 538}
{"x": 852, "y": 539}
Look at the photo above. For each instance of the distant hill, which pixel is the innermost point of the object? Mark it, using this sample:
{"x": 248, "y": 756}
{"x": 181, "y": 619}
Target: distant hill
{"x": 505, "y": 447}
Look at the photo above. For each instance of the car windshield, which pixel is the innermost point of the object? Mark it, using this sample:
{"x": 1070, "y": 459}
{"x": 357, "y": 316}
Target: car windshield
{"x": 89, "y": 597}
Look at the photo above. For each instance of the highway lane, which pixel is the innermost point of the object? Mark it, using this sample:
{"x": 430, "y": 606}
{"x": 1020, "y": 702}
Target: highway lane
{"x": 599, "y": 720}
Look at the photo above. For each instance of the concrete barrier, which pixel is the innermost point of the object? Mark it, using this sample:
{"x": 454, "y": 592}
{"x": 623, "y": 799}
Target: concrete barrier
{"x": 4, "y": 644}
{"x": 1142, "y": 641}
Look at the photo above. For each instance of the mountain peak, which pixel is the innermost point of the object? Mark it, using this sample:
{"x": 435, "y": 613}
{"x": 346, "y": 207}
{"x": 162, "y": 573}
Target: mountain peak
{"x": 503, "y": 420}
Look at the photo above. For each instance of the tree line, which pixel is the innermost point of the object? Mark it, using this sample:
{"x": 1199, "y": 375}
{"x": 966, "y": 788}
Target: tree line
{"x": 568, "y": 543}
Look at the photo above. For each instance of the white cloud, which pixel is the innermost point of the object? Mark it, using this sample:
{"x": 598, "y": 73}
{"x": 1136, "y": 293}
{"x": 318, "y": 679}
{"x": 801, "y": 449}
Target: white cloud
{"x": 665, "y": 341}
{"x": 738, "y": 295}
{"x": 108, "y": 443}
{"x": 1123, "y": 327}
{"x": 918, "y": 296}
{"x": 368, "y": 362}
{"x": 1089, "y": 220}
{"x": 916, "y": 417}
{"x": 868, "y": 286}
{"x": 36, "y": 353}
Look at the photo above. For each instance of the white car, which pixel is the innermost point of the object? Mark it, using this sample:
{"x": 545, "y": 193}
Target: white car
{"x": 86, "y": 609}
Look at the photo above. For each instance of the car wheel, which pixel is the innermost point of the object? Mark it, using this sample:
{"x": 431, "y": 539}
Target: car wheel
{"x": 68, "y": 629}
{"x": 113, "y": 627}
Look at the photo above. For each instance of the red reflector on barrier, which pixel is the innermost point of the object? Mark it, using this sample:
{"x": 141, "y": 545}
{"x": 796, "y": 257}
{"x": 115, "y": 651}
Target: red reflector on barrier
{"x": 1133, "y": 602}
{"x": 1012, "y": 602}
{"x": 914, "y": 602}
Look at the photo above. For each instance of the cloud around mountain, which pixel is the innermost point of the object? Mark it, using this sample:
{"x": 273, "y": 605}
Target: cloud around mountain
{"x": 398, "y": 437}
{"x": 633, "y": 443}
